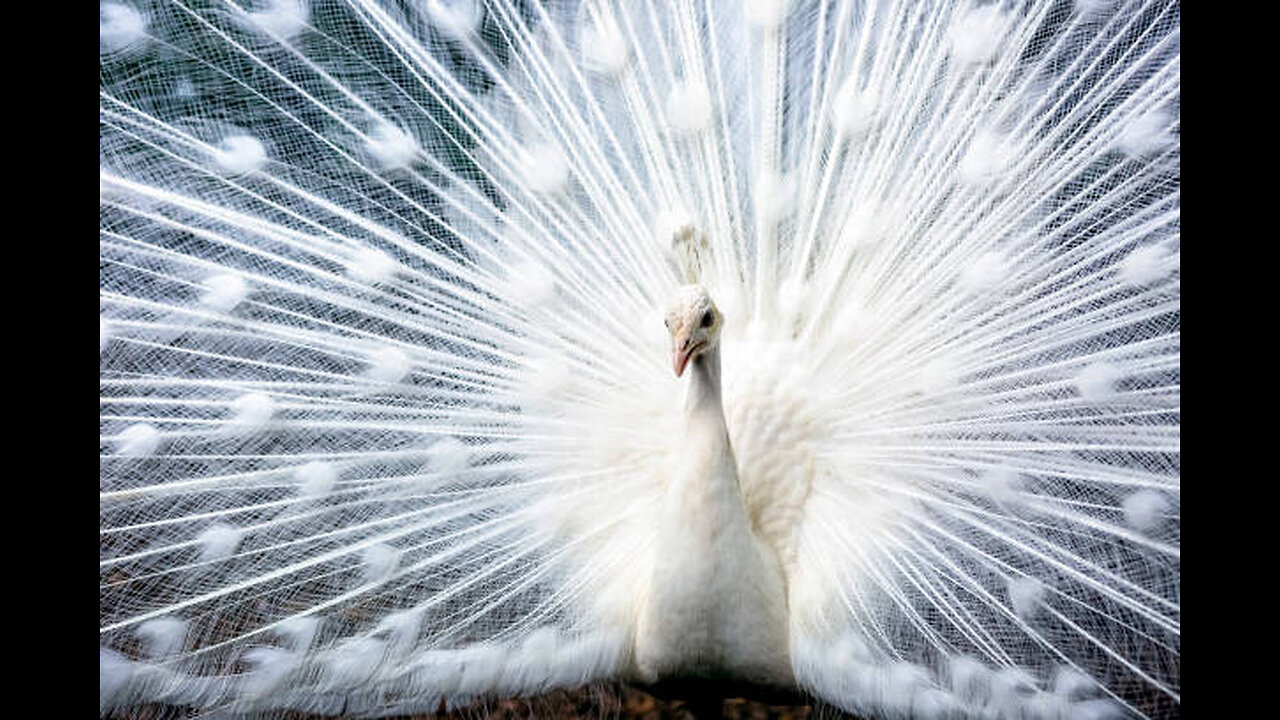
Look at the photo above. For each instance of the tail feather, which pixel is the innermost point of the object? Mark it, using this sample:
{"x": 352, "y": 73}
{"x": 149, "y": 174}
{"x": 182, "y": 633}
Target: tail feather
{"x": 366, "y": 676}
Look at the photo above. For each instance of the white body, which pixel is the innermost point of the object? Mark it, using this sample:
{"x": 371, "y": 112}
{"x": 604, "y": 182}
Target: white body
{"x": 717, "y": 600}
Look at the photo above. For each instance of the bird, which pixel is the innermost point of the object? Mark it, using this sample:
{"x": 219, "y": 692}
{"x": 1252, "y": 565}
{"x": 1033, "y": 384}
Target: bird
{"x": 465, "y": 349}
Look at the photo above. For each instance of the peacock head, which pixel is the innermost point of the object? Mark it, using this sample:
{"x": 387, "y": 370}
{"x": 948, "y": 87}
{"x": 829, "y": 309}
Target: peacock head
{"x": 694, "y": 323}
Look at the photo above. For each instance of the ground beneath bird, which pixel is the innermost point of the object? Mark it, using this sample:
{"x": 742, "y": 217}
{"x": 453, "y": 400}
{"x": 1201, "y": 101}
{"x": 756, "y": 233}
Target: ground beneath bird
{"x": 678, "y": 700}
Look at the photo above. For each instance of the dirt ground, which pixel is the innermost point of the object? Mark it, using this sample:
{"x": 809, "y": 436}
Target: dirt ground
{"x": 700, "y": 700}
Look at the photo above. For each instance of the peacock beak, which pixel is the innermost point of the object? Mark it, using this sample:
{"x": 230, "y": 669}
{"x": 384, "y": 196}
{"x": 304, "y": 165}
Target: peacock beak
{"x": 684, "y": 350}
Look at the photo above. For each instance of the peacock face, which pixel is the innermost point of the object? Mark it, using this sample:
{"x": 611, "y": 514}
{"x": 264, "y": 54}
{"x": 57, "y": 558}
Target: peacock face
{"x": 694, "y": 324}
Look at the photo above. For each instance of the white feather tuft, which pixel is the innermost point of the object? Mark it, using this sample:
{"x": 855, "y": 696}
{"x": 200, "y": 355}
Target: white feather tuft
{"x": 532, "y": 286}
{"x": 371, "y": 265}
{"x": 766, "y": 14}
{"x": 402, "y": 629}
{"x": 773, "y": 195}
{"x": 866, "y": 225}
{"x": 1144, "y": 510}
{"x": 1144, "y": 265}
{"x": 162, "y": 637}
{"x": 482, "y": 670}
{"x": 378, "y": 563}
{"x": 240, "y": 154}
{"x": 316, "y": 478}
{"x": 252, "y": 412}
{"x": 933, "y": 704}
{"x": 970, "y": 680}
{"x": 938, "y": 376}
{"x": 352, "y": 664}
{"x": 388, "y": 365}
{"x": 1072, "y": 684}
{"x": 219, "y": 541}
{"x": 1026, "y": 594}
{"x": 456, "y": 18}
{"x": 544, "y": 168}
{"x": 689, "y": 107}
{"x": 269, "y": 669}
{"x": 987, "y": 273}
{"x": 854, "y": 111}
{"x": 1045, "y": 706}
{"x": 793, "y": 299}
{"x": 904, "y": 682}
{"x": 391, "y": 146}
{"x": 1146, "y": 134}
{"x": 528, "y": 669}
{"x": 977, "y": 35}
{"x": 224, "y": 292}
{"x": 849, "y": 650}
{"x": 1003, "y": 486}
{"x": 299, "y": 633}
{"x": 605, "y": 48}
{"x": 1097, "y": 381}
{"x": 120, "y": 26}
{"x": 115, "y": 675}
{"x": 139, "y": 440}
{"x": 450, "y": 457}
{"x": 988, "y": 159}
{"x": 1011, "y": 688}
{"x": 283, "y": 18}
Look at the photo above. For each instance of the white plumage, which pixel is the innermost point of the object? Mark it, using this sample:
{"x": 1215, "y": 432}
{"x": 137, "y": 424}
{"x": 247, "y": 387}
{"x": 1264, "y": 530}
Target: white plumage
{"x": 388, "y": 410}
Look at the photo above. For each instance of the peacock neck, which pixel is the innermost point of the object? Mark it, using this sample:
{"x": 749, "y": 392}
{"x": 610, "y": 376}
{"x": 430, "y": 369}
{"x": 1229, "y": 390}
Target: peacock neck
{"x": 703, "y": 398}
{"x": 709, "y": 469}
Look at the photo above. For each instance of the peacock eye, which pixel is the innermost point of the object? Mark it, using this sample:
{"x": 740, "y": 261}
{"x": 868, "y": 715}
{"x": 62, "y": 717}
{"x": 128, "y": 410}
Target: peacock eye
{"x": 708, "y": 318}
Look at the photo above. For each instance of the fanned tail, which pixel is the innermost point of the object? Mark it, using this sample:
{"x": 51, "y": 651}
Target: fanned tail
{"x": 384, "y": 406}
